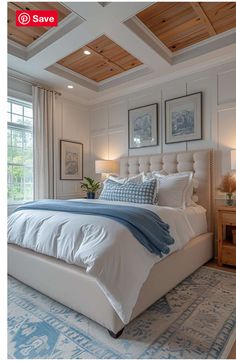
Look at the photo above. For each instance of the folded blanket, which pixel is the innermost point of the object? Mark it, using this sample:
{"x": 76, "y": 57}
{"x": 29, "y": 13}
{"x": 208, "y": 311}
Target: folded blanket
{"x": 146, "y": 226}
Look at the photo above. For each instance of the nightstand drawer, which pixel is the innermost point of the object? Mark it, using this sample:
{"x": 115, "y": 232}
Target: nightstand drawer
{"x": 228, "y": 218}
{"x": 229, "y": 255}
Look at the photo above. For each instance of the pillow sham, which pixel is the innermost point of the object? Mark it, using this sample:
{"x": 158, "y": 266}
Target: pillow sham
{"x": 135, "y": 179}
{"x": 129, "y": 192}
{"x": 174, "y": 189}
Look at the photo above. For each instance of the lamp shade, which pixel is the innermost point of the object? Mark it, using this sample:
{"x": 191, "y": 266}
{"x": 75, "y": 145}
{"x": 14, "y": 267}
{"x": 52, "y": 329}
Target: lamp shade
{"x": 233, "y": 159}
{"x": 106, "y": 166}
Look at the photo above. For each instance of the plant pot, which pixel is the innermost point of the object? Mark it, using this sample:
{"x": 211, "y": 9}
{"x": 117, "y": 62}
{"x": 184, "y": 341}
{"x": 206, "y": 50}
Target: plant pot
{"x": 229, "y": 199}
{"x": 90, "y": 195}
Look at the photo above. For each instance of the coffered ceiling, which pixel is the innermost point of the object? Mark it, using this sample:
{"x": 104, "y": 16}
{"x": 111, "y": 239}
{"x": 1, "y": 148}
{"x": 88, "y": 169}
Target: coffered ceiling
{"x": 104, "y": 59}
{"x": 129, "y": 44}
{"x": 181, "y": 24}
{"x": 27, "y": 35}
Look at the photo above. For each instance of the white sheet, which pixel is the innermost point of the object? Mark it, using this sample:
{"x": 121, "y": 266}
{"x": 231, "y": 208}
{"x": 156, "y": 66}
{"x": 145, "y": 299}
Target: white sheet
{"x": 104, "y": 247}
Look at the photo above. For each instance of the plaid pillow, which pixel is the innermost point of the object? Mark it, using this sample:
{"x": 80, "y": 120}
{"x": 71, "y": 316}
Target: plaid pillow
{"x": 130, "y": 192}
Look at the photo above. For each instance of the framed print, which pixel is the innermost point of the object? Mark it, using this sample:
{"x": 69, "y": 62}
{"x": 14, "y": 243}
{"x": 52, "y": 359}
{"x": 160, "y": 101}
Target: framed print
{"x": 143, "y": 126}
{"x": 71, "y": 160}
{"x": 183, "y": 118}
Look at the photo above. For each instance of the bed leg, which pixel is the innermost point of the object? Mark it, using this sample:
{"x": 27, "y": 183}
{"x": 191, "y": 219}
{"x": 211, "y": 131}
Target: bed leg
{"x": 116, "y": 335}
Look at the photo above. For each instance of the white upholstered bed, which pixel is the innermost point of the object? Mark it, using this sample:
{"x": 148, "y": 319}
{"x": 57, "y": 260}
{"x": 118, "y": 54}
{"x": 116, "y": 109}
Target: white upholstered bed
{"x": 72, "y": 286}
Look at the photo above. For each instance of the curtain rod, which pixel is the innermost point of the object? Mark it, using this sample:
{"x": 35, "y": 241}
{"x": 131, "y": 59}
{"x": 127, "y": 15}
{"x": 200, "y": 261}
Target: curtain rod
{"x": 34, "y": 84}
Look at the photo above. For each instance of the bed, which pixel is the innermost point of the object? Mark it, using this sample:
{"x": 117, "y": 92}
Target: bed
{"x": 72, "y": 286}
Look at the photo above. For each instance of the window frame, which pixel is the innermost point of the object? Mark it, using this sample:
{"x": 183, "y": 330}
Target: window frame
{"x": 21, "y": 127}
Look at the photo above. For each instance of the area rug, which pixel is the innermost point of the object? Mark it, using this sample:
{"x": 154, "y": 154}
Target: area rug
{"x": 197, "y": 319}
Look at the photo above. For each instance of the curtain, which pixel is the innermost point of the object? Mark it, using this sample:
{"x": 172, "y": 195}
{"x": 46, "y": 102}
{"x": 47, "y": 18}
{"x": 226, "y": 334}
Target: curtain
{"x": 43, "y": 132}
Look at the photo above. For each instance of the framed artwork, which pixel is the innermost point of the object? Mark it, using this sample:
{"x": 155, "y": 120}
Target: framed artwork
{"x": 183, "y": 118}
{"x": 143, "y": 126}
{"x": 71, "y": 160}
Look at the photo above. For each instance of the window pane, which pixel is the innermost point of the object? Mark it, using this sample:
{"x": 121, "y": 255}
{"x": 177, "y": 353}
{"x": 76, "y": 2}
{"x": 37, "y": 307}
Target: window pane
{"x": 17, "y": 119}
{"x": 17, "y": 155}
{"x": 28, "y": 112}
{"x": 28, "y": 191}
{"x": 28, "y": 121}
{"x": 17, "y": 192}
{"x": 9, "y": 155}
{"x": 28, "y": 140}
{"x": 9, "y": 174}
{"x": 28, "y": 175}
{"x": 17, "y": 138}
{"x": 9, "y": 193}
{"x": 17, "y": 109}
{"x": 8, "y": 106}
{"x": 9, "y": 136}
{"x": 28, "y": 157}
{"x": 20, "y": 152}
{"x": 18, "y": 174}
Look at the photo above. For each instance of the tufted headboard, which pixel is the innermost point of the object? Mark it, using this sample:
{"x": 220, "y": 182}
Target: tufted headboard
{"x": 200, "y": 162}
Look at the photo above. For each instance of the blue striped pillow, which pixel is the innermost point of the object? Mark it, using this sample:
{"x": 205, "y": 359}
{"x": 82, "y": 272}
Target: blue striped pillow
{"x": 129, "y": 192}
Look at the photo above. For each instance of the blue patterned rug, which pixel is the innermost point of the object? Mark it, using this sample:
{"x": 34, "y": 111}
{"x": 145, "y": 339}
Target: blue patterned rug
{"x": 197, "y": 319}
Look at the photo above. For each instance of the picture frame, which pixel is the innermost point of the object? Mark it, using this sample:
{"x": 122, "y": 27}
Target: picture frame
{"x": 143, "y": 126}
{"x": 183, "y": 118}
{"x": 71, "y": 160}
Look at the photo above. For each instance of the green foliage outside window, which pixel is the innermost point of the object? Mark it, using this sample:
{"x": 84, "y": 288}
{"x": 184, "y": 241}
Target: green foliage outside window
{"x": 20, "y": 151}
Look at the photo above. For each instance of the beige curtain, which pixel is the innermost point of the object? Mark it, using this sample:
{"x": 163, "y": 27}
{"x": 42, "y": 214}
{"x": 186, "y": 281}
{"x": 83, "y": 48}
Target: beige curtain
{"x": 43, "y": 114}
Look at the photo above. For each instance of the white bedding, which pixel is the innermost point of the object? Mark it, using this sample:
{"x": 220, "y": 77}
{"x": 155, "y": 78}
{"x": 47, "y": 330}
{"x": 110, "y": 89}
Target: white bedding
{"x": 106, "y": 248}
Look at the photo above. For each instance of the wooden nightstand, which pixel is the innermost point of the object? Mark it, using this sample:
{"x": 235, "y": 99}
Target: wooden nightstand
{"x": 226, "y": 248}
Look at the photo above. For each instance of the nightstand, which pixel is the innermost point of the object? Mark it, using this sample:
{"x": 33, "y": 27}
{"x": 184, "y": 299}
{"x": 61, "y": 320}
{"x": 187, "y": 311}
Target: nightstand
{"x": 226, "y": 216}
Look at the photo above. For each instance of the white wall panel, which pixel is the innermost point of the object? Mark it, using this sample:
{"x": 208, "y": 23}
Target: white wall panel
{"x": 99, "y": 150}
{"x": 204, "y": 85}
{"x": 99, "y": 119}
{"x": 219, "y": 121}
{"x": 99, "y": 146}
{"x": 227, "y": 137}
{"x": 117, "y": 144}
{"x": 71, "y": 123}
{"x": 146, "y": 97}
{"x": 118, "y": 115}
{"x": 227, "y": 86}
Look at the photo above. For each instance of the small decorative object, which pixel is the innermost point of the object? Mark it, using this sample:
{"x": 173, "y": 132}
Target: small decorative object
{"x": 90, "y": 186}
{"x": 183, "y": 118}
{"x": 71, "y": 160}
{"x": 228, "y": 186}
{"x": 143, "y": 126}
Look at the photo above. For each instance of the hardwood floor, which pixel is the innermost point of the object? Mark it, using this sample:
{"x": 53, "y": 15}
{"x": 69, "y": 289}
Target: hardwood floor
{"x": 213, "y": 264}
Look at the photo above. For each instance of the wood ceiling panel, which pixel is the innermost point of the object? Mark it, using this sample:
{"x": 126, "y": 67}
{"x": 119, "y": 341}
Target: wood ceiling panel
{"x": 106, "y": 60}
{"x": 179, "y": 25}
{"x": 222, "y": 15}
{"x": 26, "y": 35}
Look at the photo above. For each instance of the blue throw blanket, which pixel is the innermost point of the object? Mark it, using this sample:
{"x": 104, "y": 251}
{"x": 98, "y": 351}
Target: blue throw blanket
{"x": 146, "y": 226}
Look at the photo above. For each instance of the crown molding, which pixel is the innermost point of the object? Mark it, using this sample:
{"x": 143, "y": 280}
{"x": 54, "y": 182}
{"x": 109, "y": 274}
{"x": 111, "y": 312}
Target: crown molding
{"x": 71, "y": 75}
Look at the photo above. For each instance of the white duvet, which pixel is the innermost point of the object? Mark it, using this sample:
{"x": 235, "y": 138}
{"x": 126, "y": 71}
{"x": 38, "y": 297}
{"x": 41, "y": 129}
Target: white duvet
{"x": 106, "y": 248}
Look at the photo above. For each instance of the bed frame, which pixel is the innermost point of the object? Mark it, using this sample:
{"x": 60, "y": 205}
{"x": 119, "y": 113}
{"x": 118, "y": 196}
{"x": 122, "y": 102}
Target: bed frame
{"x": 70, "y": 284}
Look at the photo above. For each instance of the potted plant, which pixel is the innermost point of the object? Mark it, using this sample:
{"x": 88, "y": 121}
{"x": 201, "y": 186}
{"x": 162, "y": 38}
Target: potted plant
{"x": 228, "y": 186}
{"x": 90, "y": 186}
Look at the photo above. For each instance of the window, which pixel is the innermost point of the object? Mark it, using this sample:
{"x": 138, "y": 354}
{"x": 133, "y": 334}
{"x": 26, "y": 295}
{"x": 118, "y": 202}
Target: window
{"x": 20, "y": 151}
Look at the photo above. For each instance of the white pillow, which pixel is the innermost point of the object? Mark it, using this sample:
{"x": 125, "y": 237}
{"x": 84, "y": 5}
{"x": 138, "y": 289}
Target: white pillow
{"x": 192, "y": 197}
{"x": 134, "y": 179}
{"x": 175, "y": 189}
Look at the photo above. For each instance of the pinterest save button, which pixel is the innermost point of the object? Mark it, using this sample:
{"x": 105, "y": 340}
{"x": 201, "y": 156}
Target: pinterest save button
{"x": 36, "y": 17}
